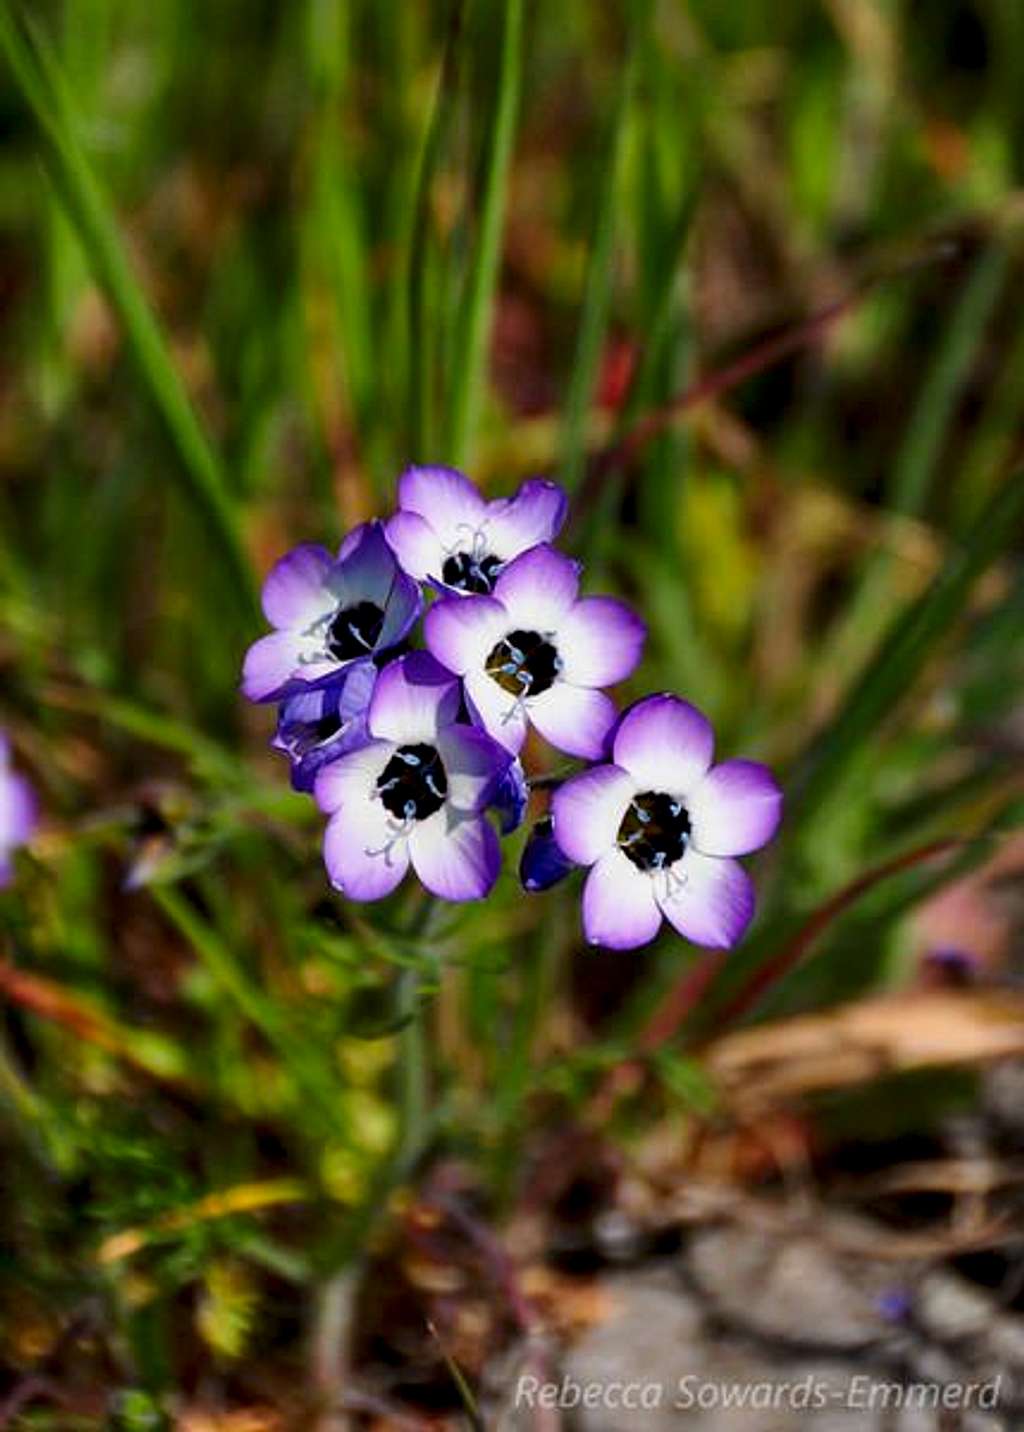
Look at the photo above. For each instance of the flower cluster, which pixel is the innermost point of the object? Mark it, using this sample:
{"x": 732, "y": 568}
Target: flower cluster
{"x": 408, "y": 750}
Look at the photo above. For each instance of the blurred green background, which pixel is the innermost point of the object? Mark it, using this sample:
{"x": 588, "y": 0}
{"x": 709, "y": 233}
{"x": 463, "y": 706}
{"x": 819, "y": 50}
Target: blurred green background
{"x": 257, "y": 258}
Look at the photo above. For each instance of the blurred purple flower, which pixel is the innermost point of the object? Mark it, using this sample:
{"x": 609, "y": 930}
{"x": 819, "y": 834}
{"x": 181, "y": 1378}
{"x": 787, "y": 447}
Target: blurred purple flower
{"x": 18, "y": 812}
{"x": 318, "y": 726}
{"x": 329, "y": 613}
{"x": 543, "y": 861}
{"x": 535, "y": 652}
{"x": 953, "y": 965}
{"x": 894, "y": 1304}
{"x": 415, "y": 794}
{"x": 660, "y": 827}
{"x": 447, "y": 533}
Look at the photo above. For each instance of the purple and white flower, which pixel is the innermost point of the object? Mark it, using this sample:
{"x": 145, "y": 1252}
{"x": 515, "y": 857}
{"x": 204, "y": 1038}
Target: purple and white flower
{"x": 535, "y": 652}
{"x": 447, "y": 533}
{"x": 329, "y": 613}
{"x": 661, "y": 827}
{"x": 18, "y": 812}
{"x": 415, "y": 794}
{"x": 315, "y": 727}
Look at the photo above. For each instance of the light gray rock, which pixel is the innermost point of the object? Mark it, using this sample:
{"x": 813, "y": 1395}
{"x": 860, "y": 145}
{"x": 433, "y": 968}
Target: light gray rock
{"x": 794, "y": 1288}
{"x": 950, "y": 1308}
{"x": 656, "y": 1344}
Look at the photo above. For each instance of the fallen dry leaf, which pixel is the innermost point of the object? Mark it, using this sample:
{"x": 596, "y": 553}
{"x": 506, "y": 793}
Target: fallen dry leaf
{"x": 774, "y": 1063}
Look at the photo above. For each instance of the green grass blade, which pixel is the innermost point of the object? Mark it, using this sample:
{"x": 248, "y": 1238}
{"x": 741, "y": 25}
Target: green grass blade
{"x": 470, "y": 355}
{"x": 422, "y": 347}
{"x": 598, "y": 293}
{"x": 916, "y": 462}
{"x": 911, "y": 640}
{"x": 38, "y": 78}
{"x": 308, "y": 1071}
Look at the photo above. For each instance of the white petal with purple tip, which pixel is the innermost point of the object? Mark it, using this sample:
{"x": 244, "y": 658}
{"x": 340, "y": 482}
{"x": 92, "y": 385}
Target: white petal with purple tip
{"x": 538, "y": 588}
{"x": 363, "y": 858}
{"x": 499, "y": 713}
{"x": 709, "y": 901}
{"x": 665, "y": 743}
{"x": 416, "y": 545}
{"x": 735, "y": 809}
{"x": 587, "y": 812}
{"x": 600, "y": 641}
{"x": 619, "y": 909}
{"x": 446, "y": 498}
{"x": 414, "y": 696}
{"x": 534, "y": 515}
{"x": 352, "y": 779}
{"x": 295, "y": 593}
{"x": 456, "y": 857}
{"x": 461, "y": 631}
{"x": 272, "y": 662}
{"x": 573, "y": 719}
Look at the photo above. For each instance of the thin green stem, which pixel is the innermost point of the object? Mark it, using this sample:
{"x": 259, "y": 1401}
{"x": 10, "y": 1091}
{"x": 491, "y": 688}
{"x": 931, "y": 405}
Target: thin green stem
{"x": 413, "y": 1074}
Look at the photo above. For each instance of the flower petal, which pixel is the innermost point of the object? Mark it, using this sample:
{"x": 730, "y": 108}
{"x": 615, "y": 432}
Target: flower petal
{"x": 461, "y": 631}
{"x": 543, "y": 863}
{"x": 359, "y": 859}
{"x": 587, "y": 812}
{"x": 402, "y": 607}
{"x": 473, "y": 765}
{"x": 600, "y": 641}
{"x": 537, "y": 588}
{"x": 534, "y": 515}
{"x": 496, "y": 710}
{"x": 573, "y": 718}
{"x": 367, "y": 570}
{"x": 456, "y": 857}
{"x": 19, "y": 810}
{"x": 735, "y": 809}
{"x": 295, "y": 592}
{"x": 318, "y": 726}
{"x": 665, "y": 743}
{"x": 619, "y": 909}
{"x": 709, "y": 901}
{"x": 414, "y": 697}
{"x": 511, "y": 797}
{"x": 446, "y": 498}
{"x": 352, "y": 778}
{"x": 415, "y": 544}
{"x": 271, "y": 664}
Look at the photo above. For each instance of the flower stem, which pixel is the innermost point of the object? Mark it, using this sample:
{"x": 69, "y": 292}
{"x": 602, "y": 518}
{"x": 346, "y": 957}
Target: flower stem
{"x": 413, "y": 1076}
{"x": 412, "y": 1069}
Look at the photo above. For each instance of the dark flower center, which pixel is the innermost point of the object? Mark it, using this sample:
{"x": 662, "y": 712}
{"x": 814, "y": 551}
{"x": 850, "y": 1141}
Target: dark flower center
{"x": 311, "y": 734}
{"x": 355, "y": 630}
{"x": 467, "y": 573}
{"x": 655, "y": 831}
{"x": 524, "y": 663}
{"x": 413, "y": 784}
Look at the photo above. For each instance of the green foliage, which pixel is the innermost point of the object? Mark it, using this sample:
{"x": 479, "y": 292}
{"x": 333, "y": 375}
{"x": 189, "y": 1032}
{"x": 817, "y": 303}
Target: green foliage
{"x": 261, "y": 257}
